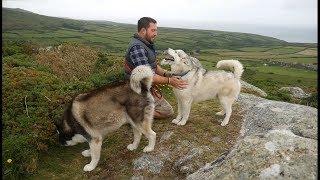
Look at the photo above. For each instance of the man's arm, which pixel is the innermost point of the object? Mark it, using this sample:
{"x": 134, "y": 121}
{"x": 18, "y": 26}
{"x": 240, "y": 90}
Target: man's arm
{"x": 162, "y": 72}
{"x": 174, "y": 81}
{"x": 138, "y": 56}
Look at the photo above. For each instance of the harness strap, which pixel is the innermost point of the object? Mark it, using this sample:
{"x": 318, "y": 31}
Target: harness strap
{"x": 127, "y": 66}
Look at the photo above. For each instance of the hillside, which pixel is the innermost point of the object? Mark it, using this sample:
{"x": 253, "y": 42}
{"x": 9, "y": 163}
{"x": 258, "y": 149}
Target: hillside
{"x": 39, "y": 82}
{"x": 113, "y": 36}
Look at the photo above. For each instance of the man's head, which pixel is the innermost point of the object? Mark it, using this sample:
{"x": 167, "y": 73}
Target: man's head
{"x": 147, "y": 28}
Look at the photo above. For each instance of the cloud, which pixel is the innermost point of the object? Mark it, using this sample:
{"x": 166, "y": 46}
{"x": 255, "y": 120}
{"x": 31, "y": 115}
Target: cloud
{"x": 265, "y": 12}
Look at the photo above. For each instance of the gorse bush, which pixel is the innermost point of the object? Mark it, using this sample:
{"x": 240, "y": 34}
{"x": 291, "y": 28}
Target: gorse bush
{"x": 36, "y": 89}
{"x": 69, "y": 62}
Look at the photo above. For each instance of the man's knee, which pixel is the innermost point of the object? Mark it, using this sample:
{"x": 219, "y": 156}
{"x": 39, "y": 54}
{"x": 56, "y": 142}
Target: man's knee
{"x": 170, "y": 112}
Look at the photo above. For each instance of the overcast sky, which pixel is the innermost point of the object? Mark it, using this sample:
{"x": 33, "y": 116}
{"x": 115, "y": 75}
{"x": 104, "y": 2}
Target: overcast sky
{"x": 230, "y": 15}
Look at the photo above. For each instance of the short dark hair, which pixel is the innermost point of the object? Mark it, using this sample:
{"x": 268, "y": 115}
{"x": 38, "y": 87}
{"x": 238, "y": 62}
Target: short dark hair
{"x": 144, "y": 22}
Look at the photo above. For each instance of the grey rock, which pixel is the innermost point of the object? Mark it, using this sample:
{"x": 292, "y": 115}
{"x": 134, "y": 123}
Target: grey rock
{"x": 278, "y": 141}
{"x": 216, "y": 139}
{"x": 265, "y": 115}
{"x": 166, "y": 136}
{"x": 149, "y": 163}
{"x": 279, "y": 154}
{"x": 295, "y": 92}
{"x": 137, "y": 178}
{"x": 187, "y": 164}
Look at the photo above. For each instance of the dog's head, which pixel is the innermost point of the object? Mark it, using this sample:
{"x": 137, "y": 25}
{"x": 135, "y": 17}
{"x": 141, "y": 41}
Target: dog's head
{"x": 67, "y": 135}
{"x": 180, "y": 61}
{"x": 63, "y": 135}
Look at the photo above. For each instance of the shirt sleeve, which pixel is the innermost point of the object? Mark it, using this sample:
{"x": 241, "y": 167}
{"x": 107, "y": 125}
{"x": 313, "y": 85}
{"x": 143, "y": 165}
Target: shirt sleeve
{"x": 138, "y": 55}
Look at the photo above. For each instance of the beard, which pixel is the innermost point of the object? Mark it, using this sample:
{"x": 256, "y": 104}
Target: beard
{"x": 149, "y": 38}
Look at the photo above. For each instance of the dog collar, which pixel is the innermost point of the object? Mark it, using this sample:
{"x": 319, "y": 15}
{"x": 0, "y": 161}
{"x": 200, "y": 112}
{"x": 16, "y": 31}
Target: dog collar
{"x": 183, "y": 74}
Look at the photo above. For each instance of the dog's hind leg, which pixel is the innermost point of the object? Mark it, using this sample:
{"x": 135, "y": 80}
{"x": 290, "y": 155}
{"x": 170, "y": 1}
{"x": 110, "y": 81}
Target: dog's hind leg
{"x": 227, "y": 105}
{"x": 95, "y": 148}
{"x": 137, "y": 138}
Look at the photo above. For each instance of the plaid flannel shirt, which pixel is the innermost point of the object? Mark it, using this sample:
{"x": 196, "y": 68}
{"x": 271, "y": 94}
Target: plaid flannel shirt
{"x": 138, "y": 55}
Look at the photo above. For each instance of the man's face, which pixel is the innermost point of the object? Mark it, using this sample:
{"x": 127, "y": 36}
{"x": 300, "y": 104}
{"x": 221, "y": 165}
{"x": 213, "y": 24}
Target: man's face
{"x": 151, "y": 32}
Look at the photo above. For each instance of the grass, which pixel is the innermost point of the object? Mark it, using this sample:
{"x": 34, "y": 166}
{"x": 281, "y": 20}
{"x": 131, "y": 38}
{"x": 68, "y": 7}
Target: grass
{"x": 293, "y": 72}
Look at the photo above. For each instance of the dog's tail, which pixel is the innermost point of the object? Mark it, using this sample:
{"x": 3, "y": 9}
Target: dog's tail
{"x": 234, "y": 65}
{"x": 141, "y": 78}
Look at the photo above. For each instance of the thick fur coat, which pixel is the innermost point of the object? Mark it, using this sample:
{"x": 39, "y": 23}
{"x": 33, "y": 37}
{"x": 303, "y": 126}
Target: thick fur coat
{"x": 92, "y": 115}
{"x": 204, "y": 84}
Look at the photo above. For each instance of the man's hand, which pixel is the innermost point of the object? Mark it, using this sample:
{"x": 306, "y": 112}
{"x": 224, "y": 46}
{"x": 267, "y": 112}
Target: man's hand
{"x": 178, "y": 83}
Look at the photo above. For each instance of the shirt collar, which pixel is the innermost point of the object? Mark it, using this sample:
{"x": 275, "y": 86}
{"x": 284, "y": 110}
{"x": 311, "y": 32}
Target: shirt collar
{"x": 147, "y": 43}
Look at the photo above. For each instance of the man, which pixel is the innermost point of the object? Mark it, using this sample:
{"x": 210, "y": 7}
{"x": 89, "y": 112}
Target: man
{"x": 141, "y": 51}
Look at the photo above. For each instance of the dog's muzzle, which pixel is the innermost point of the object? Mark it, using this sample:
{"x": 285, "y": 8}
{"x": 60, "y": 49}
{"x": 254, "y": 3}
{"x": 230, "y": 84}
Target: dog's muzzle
{"x": 169, "y": 58}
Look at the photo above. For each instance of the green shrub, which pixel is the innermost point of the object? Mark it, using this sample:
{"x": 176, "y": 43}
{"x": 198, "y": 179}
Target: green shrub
{"x": 17, "y": 60}
{"x": 20, "y": 149}
{"x": 280, "y": 96}
{"x": 9, "y": 50}
{"x": 100, "y": 79}
{"x": 311, "y": 101}
{"x": 27, "y": 129}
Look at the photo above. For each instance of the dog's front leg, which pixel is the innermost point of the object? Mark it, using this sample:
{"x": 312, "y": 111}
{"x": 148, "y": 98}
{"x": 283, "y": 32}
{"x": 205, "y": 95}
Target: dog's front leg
{"x": 149, "y": 133}
{"x": 179, "y": 116}
{"x": 95, "y": 148}
{"x": 186, "y": 108}
{"x": 136, "y": 137}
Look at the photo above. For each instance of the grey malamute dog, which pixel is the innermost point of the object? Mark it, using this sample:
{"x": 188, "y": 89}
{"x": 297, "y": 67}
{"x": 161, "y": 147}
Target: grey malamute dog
{"x": 91, "y": 116}
{"x": 204, "y": 84}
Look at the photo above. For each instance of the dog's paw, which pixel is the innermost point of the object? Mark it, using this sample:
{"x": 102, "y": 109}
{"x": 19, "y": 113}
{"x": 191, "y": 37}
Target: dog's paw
{"x": 131, "y": 147}
{"x": 182, "y": 123}
{"x": 86, "y": 153}
{"x": 224, "y": 123}
{"x": 221, "y": 113}
{"x": 148, "y": 149}
{"x": 175, "y": 121}
{"x": 88, "y": 167}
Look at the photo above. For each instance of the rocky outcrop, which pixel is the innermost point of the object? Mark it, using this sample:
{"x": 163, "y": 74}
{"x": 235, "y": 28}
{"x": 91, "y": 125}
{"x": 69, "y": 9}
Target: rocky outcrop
{"x": 250, "y": 87}
{"x": 295, "y": 92}
{"x": 278, "y": 141}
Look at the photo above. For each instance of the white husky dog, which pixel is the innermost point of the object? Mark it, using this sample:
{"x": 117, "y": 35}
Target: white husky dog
{"x": 204, "y": 84}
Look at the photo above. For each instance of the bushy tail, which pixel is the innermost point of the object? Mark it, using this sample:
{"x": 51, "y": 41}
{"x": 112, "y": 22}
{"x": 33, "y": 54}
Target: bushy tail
{"x": 234, "y": 65}
{"x": 141, "y": 78}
